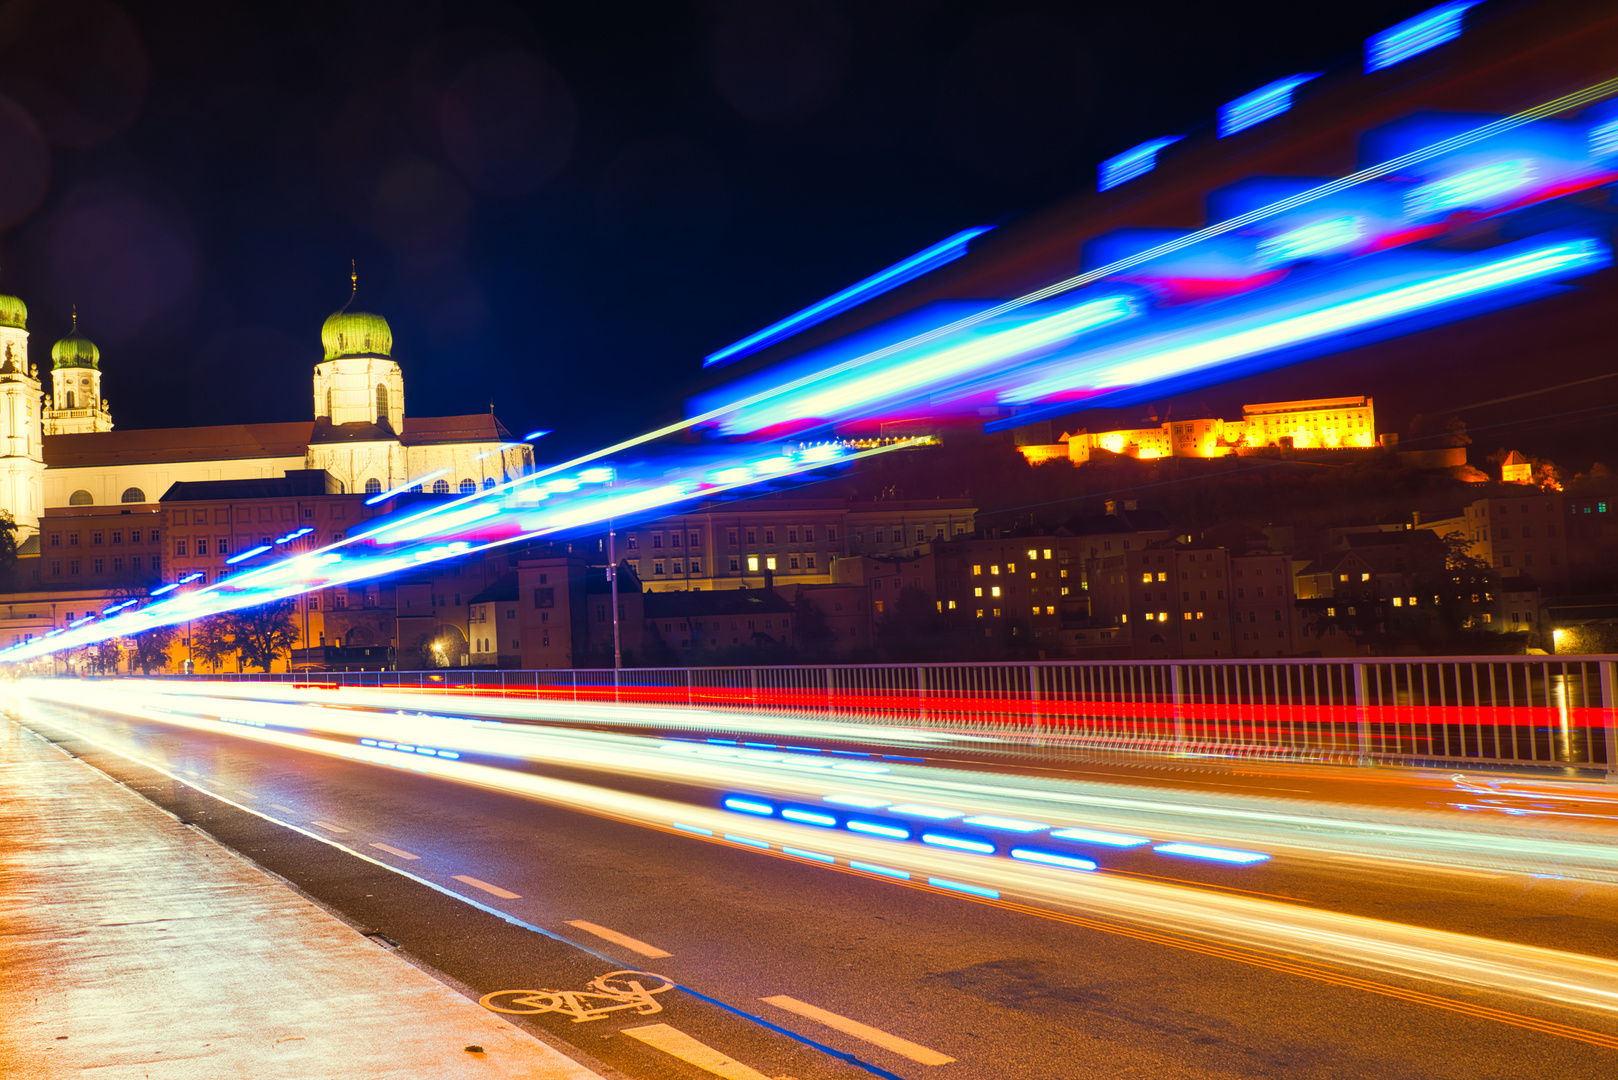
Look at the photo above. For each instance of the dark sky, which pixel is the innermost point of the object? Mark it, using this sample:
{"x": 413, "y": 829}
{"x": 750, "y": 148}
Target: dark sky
{"x": 560, "y": 207}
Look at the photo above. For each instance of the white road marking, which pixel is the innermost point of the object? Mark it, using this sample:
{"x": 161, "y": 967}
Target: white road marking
{"x": 283, "y": 809}
{"x": 494, "y": 890}
{"x": 328, "y": 825}
{"x": 632, "y": 944}
{"x": 391, "y": 850}
{"x": 246, "y": 794}
{"x": 677, "y": 1043}
{"x": 913, "y": 1051}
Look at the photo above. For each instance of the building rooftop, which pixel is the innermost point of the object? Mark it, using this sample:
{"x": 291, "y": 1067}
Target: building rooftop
{"x": 664, "y": 605}
{"x": 295, "y": 484}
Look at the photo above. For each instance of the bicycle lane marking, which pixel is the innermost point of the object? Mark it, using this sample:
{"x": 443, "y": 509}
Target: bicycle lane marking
{"x": 676, "y": 1043}
{"x": 876, "y": 1036}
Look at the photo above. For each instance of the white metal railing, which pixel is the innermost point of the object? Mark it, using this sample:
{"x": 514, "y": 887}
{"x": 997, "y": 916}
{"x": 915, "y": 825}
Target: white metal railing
{"x": 1538, "y": 711}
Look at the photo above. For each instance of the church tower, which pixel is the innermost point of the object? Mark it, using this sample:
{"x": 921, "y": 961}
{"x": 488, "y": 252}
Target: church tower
{"x": 22, "y": 459}
{"x": 77, "y": 406}
{"x": 359, "y": 382}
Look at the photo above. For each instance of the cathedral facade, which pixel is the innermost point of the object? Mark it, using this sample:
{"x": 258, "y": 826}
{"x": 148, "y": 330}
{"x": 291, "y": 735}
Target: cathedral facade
{"x": 60, "y": 448}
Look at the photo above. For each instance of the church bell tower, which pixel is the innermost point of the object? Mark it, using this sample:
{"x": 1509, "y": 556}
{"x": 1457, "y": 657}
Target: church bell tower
{"x": 22, "y": 458}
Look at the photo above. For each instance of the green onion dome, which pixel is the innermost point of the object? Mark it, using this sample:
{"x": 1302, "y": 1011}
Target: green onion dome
{"x": 356, "y": 333}
{"x": 13, "y": 313}
{"x": 75, "y": 351}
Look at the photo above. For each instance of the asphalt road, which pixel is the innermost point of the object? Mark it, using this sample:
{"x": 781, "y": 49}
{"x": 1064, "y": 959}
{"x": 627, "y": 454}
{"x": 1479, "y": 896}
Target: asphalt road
{"x": 770, "y": 955}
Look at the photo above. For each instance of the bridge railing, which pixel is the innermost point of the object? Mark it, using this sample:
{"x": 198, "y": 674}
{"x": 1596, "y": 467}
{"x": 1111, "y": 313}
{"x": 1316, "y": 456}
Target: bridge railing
{"x": 1537, "y": 711}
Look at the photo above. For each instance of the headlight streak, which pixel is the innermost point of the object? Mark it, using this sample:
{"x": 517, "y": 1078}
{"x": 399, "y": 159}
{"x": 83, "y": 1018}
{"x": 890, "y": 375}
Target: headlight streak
{"x": 252, "y": 588}
{"x": 1167, "y": 355}
{"x": 1266, "y": 928}
{"x": 1304, "y": 830}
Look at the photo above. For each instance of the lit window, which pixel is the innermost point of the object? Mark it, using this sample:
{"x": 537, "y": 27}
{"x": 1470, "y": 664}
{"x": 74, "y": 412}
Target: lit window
{"x": 994, "y": 569}
{"x": 1150, "y": 617}
{"x": 980, "y": 613}
{"x": 1161, "y": 576}
{"x": 752, "y": 562}
{"x": 1398, "y": 602}
{"x": 1162, "y": 616}
{"x": 1047, "y": 553}
{"x": 1033, "y": 554}
{"x": 977, "y": 570}
{"x": 1146, "y": 577}
{"x": 1365, "y": 577}
{"x": 995, "y": 591}
{"x": 952, "y": 605}
{"x": 978, "y": 591}
{"x": 769, "y": 562}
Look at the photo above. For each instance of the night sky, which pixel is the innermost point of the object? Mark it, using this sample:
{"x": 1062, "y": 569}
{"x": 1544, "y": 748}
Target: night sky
{"x": 558, "y": 207}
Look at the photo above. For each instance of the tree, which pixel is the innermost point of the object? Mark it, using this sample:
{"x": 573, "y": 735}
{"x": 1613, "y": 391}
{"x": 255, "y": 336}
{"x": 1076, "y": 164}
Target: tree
{"x": 912, "y": 630}
{"x": 151, "y": 649}
{"x": 8, "y": 541}
{"x": 103, "y": 657}
{"x": 264, "y": 632}
{"x": 812, "y": 632}
{"x": 212, "y": 640}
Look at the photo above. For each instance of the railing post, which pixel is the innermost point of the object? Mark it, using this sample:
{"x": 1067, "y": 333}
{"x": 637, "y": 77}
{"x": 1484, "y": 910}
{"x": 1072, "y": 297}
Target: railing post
{"x": 1177, "y": 690}
{"x": 1609, "y": 717}
{"x": 831, "y": 697}
{"x": 1362, "y": 712}
{"x": 753, "y": 674}
{"x": 1033, "y": 697}
{"x": 921, "y": 692}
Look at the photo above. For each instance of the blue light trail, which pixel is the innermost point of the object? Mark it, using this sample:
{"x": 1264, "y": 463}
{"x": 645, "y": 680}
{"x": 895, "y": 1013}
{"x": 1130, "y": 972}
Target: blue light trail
{"x": 925, "y": 261}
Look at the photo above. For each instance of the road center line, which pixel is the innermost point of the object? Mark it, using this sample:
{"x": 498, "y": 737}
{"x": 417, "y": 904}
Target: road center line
{"x": 876, "y": 1036}
{"x": 395, "y": 851}
{"x": 677, "y": 1043}
{"x": 493, "y": 890}
{"x": 329, "y": 826}
{"x": 283, "y": 809}
{"x": 632, "y": 944}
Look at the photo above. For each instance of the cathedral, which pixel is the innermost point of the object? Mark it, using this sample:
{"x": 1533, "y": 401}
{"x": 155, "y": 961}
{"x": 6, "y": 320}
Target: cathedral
{"x": 61, "y": 448}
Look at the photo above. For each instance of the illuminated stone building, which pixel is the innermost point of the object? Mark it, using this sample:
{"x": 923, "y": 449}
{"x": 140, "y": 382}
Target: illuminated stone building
{"x": 61, "y": 450}
{"x": 1345, "y": 423}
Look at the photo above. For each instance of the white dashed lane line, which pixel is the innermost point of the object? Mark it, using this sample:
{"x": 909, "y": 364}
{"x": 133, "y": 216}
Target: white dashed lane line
{"x": 632, "y": 944}
{"x": 283, "y": 809}
{"x": 391, "y": 850}
{"x": 329, "y": 827}
{"x": 875, "y": 1036}
{"x": 676, "y": 1043}
{"x": 493, "y": 890}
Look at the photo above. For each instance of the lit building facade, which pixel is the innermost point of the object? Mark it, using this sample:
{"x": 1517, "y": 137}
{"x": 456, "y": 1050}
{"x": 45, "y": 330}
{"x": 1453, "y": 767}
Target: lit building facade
{"x": 1345, "y": 423}
{"x": 60, "y": 448}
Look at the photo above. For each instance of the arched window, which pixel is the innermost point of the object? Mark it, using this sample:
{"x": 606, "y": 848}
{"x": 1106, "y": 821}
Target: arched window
{"x": 328, "y": 403}
{"x": 80, "y": 498}
{"x": 133, "y": 495}
{"x": 488, "y": 482}
{"x": 468, "y": 486}
{"x": 373, "y": 486}
{"x": 416, "y": 488}
{"x": 440, "y": 487}
{"x": 381, "y": 403}
{"x": 70, "y": 401}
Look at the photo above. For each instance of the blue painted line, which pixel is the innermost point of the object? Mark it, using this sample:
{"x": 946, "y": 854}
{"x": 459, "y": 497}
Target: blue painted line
{"x": 875, "y": 869}
{"x": 896, "y": 757}
{"x": 698, "y": 829}
{"x": 848, "y": 753}
{"x": 762, "y": 745}
{"x": 802, "y": 854}
{"x": 723, "y": 742}
{"x": 975, "y": 890}
{"x": 748, "y": 840}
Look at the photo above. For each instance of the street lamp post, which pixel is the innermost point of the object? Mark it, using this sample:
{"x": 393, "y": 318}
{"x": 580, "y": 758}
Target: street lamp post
{"x": 612, "y": 586}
